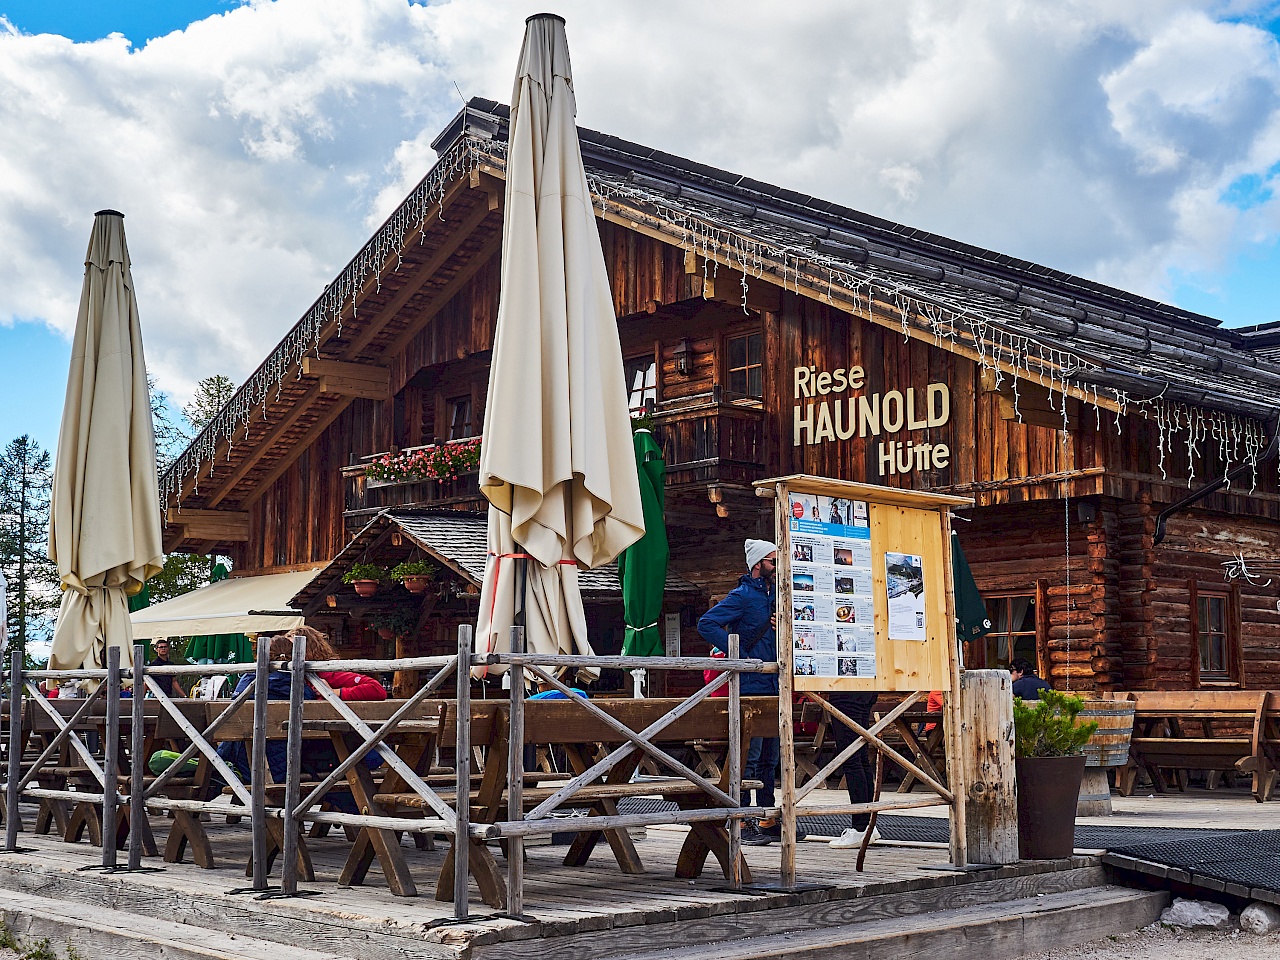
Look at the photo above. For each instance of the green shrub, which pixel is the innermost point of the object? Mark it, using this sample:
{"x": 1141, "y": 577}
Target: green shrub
{"x": 1049, "y": 727}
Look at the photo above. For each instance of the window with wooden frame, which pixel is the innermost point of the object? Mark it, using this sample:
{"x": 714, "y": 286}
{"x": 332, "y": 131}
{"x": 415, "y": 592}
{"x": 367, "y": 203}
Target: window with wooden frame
{"x": 744, "y": 374}
{"x": 641, "y": 378}
{"x": 1013, "y": 633}
{"x": 1215, "y": 628}
{"x": 458, "y": 410}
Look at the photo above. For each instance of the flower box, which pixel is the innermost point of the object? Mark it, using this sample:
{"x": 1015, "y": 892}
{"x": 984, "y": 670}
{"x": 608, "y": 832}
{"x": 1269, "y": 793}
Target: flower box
{"x": 438, "y": 462}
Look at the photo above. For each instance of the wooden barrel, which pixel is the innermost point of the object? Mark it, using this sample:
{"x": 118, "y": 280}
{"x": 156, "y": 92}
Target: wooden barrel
{"x": 1095, "y": 794}
{"x": 1109, "y": 745}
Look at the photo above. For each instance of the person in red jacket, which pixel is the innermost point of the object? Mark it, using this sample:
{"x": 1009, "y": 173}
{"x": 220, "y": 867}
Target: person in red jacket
{"x": 348, "y": 685}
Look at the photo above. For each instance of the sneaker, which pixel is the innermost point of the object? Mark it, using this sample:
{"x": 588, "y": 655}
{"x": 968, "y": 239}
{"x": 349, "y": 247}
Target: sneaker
{"x": 774, "y": 832}
{"x": 753, "y": 836}
{"x": 852, "y": 838}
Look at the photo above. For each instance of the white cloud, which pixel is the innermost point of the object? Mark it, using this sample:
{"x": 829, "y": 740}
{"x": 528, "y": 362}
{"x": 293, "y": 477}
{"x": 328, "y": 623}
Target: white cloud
{"x": 254, "y": 151}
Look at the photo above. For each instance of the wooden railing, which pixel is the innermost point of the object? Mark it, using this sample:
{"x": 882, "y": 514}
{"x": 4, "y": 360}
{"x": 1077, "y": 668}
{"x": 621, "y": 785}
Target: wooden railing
{"x": 711, "y": 441}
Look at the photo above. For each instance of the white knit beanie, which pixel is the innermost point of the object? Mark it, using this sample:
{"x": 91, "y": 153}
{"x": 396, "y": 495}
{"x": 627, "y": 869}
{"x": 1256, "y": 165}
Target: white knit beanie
{"x": 757, "y": 550}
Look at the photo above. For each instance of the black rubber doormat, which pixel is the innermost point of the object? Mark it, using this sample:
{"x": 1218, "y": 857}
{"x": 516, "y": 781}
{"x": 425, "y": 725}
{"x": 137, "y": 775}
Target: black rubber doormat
{"x": 1242, "y": 863}
{"x": 911, "y": 829}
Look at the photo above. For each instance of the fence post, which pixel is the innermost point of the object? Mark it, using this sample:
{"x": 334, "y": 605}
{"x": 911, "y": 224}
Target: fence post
{"x": 735, "y": 766}
{"x": 293, "y": 773}
{"x": 258, "y": 765}
{"x": 515, "y": 780}
{"x": 991, "y": 805}
{"x": 111, "y": 760}
{"x": 137, "y": 762}
{"x": 11, "y": 818}
{"x": 462, "y": 783}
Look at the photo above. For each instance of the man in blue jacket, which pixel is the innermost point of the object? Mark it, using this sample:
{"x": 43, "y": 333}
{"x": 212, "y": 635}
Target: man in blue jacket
{"x": 748, "y": 611}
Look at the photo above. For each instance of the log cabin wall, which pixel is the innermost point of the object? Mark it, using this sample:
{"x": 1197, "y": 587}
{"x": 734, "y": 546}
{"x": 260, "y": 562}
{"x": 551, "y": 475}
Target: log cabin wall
{"x": 1125, "y": 619}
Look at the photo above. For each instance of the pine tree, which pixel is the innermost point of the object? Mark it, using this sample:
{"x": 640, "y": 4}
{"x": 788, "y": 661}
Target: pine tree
{"x": 211, "y": 395}
{"x": 26, "y": 486}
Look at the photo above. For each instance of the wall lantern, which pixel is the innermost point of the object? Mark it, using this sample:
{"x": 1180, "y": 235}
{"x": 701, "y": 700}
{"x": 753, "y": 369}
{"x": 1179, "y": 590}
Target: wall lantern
{"x": 684, "y": 357}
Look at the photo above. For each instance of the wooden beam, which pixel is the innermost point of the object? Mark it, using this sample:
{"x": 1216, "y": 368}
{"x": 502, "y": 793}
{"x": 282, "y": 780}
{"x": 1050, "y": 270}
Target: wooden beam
{"x": 217, "y": 531}
{"x": 268, "y": 440}
{"x": 367, "y": 389}
{"x": 314, "y": 367}
{"x": 220, "y": 525}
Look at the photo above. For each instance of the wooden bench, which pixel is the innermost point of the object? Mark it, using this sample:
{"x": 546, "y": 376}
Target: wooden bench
{"x": 1215, "y": 731}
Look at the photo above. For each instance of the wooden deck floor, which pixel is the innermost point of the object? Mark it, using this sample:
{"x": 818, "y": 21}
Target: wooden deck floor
{"x": 560, "y": 901}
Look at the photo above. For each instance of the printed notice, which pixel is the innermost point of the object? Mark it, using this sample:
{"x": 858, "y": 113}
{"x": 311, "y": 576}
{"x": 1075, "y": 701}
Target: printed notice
{"x": 904, "y": 583}
{"x": 832, "y": 610}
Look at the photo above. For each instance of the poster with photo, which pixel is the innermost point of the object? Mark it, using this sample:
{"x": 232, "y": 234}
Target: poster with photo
{"x": 832, "y": 608}
{"x": 904, "y": 583}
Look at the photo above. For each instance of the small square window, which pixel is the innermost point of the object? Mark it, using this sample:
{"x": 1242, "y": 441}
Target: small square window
{"x": 1213, "y": 636}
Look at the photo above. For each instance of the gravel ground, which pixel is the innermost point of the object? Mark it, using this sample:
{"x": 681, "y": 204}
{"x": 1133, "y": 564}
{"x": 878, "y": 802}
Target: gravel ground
{"x": 1158, "y": 942}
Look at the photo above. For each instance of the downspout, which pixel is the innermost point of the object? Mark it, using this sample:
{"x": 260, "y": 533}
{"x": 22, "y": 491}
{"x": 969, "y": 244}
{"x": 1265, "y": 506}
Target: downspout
{"x": 1214, "y": 486}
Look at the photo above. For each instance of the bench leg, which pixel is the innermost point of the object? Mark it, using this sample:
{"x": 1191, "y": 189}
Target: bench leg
{"x": 484, "y": 870}
{"x": 275, "y": 843}
{"x": 187, "y": 829}
{"x": 84, "y": 817}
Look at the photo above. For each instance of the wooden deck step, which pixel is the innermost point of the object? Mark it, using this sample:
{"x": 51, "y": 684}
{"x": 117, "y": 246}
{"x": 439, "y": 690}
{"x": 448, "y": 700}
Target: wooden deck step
{"x": 101, "y": 932}
{"x": 994, "y": 932}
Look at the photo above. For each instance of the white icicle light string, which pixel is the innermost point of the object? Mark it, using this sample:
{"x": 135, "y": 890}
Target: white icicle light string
{"x": 1004, "y": 351}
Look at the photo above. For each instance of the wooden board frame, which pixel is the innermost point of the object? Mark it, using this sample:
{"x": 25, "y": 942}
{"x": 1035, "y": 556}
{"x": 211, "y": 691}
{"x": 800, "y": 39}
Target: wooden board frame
{"x": 900, "y": 520}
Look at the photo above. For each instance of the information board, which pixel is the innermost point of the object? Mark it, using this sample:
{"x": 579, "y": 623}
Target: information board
{"x": 864, "y": 586}
{"x": 832, "y": 605}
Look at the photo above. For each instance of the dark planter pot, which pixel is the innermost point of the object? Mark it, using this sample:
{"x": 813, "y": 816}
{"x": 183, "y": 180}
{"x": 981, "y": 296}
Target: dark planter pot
{"x": 365, "y": 588}
{"x": 1048, "y": 788}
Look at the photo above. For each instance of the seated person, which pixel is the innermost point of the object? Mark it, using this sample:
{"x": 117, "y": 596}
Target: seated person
{"x": 318, "y": 756}
{"x": 1025, "y": 682}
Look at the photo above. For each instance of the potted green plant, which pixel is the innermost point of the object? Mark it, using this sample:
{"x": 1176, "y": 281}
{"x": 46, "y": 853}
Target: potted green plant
{"x": 1049, "y": 761}
{"x": 398, "y": 622}
{"x": 414, "y": 574}
{"x": 365, "y": 578}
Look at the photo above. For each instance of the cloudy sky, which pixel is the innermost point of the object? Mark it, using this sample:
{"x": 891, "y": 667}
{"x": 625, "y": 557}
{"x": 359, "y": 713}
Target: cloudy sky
{"x": 254, "y": 146}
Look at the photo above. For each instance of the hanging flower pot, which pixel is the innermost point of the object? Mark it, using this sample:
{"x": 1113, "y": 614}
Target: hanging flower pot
{"x": 364, "y": 577}
{"x": 414, "y": 574}
{"x": 386, "y": 633}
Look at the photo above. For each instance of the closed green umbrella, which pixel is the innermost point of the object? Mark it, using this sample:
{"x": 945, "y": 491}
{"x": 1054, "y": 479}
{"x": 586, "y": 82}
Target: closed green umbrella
{"x": 220, "y": 647}
{"x": 971, "y": 609}
{"x": 642, "y": 567}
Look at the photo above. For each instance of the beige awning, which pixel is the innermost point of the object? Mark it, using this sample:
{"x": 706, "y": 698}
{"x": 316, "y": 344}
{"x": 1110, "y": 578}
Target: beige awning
{"x": 238, "y": 605}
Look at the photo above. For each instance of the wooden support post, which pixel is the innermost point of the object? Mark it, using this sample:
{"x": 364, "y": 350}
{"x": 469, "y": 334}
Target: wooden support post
{"x": 735, "y": 766}
{"x": 111, "y": 760}
{"x": 786, "y": 732}
{"x": 293, "y": 774}
{"x": 258, "y": 765}
{"x": 991, "y": 805}
{"x": 137, "y": 762}
{"x": 462, "y": 781}
{"x": 12, "y": 820}
{"x": 515, "y": 780}
{"x": 952, "y": 719}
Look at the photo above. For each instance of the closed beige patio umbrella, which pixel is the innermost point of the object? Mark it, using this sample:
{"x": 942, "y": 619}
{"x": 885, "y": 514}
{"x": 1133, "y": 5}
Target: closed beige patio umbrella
{"x": 557, "y": 464}
{"x": 104, "y": 524}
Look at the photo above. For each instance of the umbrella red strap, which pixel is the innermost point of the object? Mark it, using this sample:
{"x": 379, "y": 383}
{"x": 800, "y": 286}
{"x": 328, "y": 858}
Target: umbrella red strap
{"x": 499, "y": 557}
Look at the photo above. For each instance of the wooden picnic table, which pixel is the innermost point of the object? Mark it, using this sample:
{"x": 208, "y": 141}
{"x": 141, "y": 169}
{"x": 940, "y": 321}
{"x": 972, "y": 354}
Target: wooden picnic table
{"x": 561, "y": 723}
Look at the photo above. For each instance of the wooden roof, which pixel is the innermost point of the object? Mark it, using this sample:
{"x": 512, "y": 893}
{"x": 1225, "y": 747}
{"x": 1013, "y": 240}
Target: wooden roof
{"x": 1102, "y": 344}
